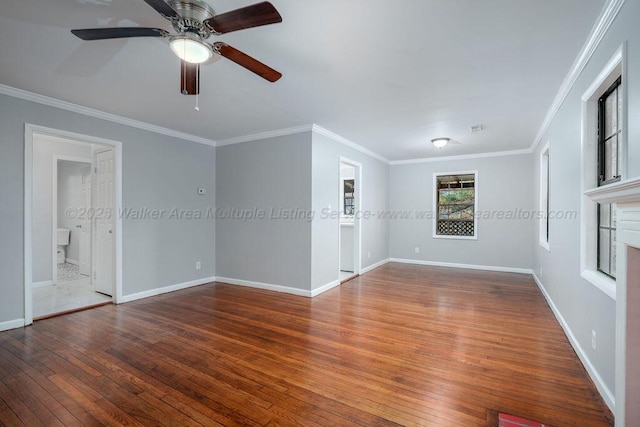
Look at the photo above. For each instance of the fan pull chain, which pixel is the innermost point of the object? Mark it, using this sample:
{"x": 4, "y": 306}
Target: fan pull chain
{"x": 198, "y": 89}
{"x": 183, "y": 64}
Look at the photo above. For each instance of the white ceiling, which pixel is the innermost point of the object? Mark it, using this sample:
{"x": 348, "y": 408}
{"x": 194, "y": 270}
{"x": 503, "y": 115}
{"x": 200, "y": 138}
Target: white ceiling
{"x": 388, "y": 75}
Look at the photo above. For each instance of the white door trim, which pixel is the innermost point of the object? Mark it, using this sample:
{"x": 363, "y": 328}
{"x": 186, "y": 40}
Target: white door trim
{"x": 29, "y": 131}
{"x": 54, "y": 207}
{"x": 357, "y": 219}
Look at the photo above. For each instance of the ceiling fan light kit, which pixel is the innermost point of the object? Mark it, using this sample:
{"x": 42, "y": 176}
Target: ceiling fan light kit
{"x": 191, "y": 49}
{"x": 195, "y": 22}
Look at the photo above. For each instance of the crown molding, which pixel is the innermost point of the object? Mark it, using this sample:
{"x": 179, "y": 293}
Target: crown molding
{"x": 344, "y": 141}
{"x": 462, "y": 157}
{"x": 600, "y": 28}
{"x": 265, "y": 135}
{"x": 75, "y": 108}
{"x": 301, "y": 129}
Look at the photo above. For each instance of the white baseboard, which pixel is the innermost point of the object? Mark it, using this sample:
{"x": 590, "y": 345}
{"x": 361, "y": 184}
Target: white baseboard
{"x": 164, "y": 290}
{"x": 463, "y": 266}
{"x": 11, "y": 324}
{"x": 606, "y": 394}
{"x": 325, "y": 288}
{"x": 72, "y": 261}
{"x": 374, "y": 266}
{"x": 41, "y": 284}
{"x": 265, "y": 286}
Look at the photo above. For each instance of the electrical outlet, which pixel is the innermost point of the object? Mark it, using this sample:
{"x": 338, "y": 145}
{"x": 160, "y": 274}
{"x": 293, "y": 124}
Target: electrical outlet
{"x": 368, "y": 254}
{"x": 198, "y": 265}
{"x": 417, "y": 250}
{"x": 594, "y": 338}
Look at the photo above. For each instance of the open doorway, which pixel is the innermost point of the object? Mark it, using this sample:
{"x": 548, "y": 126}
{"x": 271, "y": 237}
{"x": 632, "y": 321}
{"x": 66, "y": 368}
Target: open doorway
{"x": 350, "y": 217}
{"x": 73, "y": 256}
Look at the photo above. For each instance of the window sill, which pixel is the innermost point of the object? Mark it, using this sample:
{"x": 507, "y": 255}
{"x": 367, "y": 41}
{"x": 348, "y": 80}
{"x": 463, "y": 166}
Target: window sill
{"x": 439, "y": 236}
{"x": 601, "y": 281}
{"x": 545, "y": 246}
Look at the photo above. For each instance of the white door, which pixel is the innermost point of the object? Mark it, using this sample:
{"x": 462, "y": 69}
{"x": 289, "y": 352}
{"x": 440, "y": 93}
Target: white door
{"x": 85, "y": 225}
{"x": 104, "y": 219}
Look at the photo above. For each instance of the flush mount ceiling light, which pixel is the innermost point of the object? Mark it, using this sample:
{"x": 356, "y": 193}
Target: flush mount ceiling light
{"x": 440, "y": 142}
{"x": 191, "y": 49}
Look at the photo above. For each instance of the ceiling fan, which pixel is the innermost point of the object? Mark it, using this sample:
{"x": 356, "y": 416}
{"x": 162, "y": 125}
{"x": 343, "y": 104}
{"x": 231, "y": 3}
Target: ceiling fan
{"x": 195, "y": 22}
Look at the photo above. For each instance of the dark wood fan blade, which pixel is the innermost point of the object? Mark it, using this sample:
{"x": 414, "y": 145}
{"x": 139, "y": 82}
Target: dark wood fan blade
{"x": 247, "y": 62}
{"x": 189, "y": 78}
{"x": 163, "y": 8}
{"x": 118, "y": 33}
{"x": 247, "y": 17}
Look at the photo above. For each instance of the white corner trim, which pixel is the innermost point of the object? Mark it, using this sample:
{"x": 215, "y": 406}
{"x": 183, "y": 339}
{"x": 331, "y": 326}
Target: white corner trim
{"x": 463, "y": 266}
{"x": 606, "y": 394}
{"x": 463, "y": 157}
{"x": 374, "y": 266}
{"x": 42, "y": 284}
{"x": 75, "y": 108}
{"x": 264, "y": 135}
{"x": 11, "y": 324}
{"x": 344, "y": 141}
{"x": 265, "y": 286}
{"x": 164, "y": 290}
{"x": 325, "y": 288}
{"x": 600, "y": 28}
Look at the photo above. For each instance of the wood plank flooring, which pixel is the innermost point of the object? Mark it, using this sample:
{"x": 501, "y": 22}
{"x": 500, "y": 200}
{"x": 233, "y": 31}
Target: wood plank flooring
{"x": 401, "y": 345}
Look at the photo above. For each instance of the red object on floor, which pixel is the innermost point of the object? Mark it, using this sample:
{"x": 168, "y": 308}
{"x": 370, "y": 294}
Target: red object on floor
{"x": 506, "y": 420}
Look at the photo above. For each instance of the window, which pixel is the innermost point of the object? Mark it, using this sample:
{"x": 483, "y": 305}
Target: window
{"x": 604, "y": 161}
{"x": 456, "y": 205}
{"x": 609, "y": 131}
{"x": 545, "y": 172}
{"x": 609, "y": 113}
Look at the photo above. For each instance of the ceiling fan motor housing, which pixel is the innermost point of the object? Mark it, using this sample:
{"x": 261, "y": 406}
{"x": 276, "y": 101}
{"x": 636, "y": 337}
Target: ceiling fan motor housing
{"x": 193, "y": 14}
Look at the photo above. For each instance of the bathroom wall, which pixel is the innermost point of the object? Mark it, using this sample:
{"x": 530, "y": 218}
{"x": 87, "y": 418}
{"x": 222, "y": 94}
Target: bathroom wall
{"x": 44, "y": 149}
{"x": 71, "y": 176}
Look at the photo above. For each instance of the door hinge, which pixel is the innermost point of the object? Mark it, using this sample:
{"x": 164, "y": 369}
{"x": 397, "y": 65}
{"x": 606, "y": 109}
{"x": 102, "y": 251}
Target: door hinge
{"x": 94, "y": 275}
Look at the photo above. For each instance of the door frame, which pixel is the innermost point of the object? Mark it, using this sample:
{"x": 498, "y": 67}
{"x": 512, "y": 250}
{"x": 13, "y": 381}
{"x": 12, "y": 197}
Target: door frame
{"x": 29, "y": 131}
{"x": 54, "y": 207}
{"x": 357, "y": 220}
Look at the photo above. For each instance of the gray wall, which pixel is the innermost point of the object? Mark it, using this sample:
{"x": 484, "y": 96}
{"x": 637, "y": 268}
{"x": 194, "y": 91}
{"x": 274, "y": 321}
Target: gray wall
{"x": 158, "y": 172}
{"x": 264, "y": 175}
{"x": 70, "y": 196}
{"x": 584, "y": 307}
{"x": 504, "y": 185}
{"x": 43, "y": 151}
{"x": 326, "y": 192}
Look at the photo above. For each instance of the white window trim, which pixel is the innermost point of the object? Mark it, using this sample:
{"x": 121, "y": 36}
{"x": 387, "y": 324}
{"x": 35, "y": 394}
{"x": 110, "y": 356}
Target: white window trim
{"x": 617, "y": 66}
{"x": 435, "y": 206}
{"x": 545, "y": 176}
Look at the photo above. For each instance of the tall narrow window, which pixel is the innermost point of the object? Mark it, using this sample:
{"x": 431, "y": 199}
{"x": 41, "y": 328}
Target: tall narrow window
{"x": 455, "y": 205}
{"x": 544, "y": 197}
{"x": 609, "y": 129}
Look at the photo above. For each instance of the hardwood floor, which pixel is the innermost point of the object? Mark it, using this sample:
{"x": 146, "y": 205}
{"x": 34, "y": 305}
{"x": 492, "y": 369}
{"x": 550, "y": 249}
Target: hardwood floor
{"x": 401, "y": 345}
